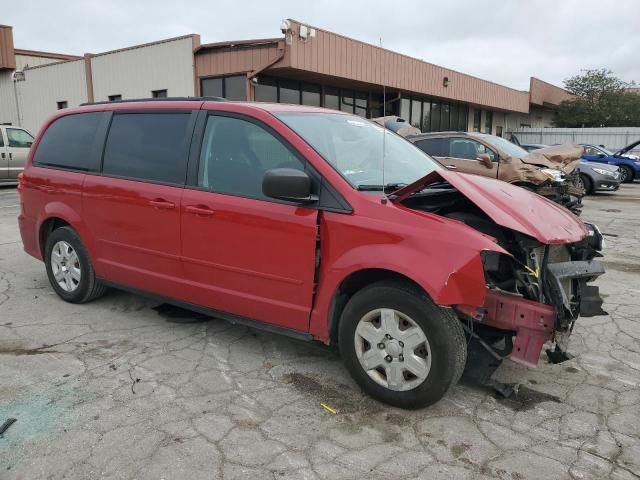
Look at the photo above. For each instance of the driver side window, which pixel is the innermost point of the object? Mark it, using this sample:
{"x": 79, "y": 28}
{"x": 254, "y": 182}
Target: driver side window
{"x": 468, "y": 149}
{"x": 19, "y": 138}
{"x": 235, "y": 155}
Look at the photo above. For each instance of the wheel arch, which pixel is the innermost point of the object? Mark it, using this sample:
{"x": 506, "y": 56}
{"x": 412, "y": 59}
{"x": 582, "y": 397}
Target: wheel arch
{"x": 46, "y": 228}
{"x": 353, "y": 283}
{"x": 57, "y": 215}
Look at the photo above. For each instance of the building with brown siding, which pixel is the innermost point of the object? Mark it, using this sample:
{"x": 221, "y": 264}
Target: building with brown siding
{"x": 305, "y": 65}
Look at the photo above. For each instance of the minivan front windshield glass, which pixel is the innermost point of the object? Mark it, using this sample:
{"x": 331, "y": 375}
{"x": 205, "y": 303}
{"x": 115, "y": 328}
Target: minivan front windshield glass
{"x": 354, "y": 146}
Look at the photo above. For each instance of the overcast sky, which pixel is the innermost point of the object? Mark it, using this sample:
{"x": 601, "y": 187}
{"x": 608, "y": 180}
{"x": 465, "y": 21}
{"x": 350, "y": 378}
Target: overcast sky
{"x": 505, "y": 41}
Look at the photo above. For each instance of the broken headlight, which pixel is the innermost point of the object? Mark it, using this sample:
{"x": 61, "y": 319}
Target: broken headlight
{"x": 553, "y": 174}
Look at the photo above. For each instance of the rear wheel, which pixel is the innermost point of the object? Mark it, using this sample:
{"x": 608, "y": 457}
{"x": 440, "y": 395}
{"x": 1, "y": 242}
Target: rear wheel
{"x": 587, "y": 184}
{"x": 399, "y": 346}
{"x": 626, "y": 174}
{"x": 69, "y": 267}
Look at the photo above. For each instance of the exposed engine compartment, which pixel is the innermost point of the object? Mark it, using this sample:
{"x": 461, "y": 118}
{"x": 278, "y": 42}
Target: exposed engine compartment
{"x": 555, "y": 275}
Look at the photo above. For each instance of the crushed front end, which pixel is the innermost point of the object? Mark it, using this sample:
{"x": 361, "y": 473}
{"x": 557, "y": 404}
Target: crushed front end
{"x": 565, "y": 190}
{"x": 536, "y": 296}
{"x": 536, "y": 285}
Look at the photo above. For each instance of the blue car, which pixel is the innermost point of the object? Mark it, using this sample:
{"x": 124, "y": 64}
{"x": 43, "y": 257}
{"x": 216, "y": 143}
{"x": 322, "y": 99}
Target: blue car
{"x": 629, "y": 164}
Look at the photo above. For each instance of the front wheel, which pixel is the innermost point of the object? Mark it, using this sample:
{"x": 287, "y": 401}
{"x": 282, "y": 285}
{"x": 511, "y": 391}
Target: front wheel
{"x": 586, "y": 183}
{"x": 399, "y": 346}
{"x": 626, "y": 174}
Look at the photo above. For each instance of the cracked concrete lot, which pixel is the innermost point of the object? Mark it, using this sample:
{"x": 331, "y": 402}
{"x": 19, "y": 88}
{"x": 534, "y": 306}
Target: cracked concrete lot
{"x": 114, "y": 389}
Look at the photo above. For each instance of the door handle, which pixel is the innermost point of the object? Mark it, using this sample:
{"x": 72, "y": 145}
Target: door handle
{"x": 162, "y": 204}
{"x": 451, "y": 167}
{"x": 199, "y": 210}
{"x": 10, "y": 156}
{"x": 3, "y": 155}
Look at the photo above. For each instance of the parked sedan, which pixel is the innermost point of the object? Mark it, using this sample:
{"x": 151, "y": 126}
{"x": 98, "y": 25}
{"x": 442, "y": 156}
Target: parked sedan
{"x": 629, "y": 167}
{"x": 550, "y": 172}
{"x": 593, "y": 178}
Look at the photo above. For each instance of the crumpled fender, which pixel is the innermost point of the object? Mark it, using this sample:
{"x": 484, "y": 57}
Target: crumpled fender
{"x": 442, "y": 256}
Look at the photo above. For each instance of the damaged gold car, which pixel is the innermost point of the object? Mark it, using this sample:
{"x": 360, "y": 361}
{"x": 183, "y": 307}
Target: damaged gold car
{"x": 550, "y": 172}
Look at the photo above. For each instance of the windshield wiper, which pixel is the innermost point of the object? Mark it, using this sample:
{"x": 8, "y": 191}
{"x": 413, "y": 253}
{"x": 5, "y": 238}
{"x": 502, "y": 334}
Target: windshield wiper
{"x": 388, "y": 187}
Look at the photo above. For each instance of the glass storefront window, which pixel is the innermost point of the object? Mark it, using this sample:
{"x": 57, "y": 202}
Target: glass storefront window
{"x": 444, "y": 117}
{"x": 311, "y": 95}
{"x": 235, "y": 88}
{"x": 289, "y": 92}
{"x": 435, "y": 117}
{"x": 426, "y": 117}
{"x": 375, "y": 106}
{"x": 331, "y": 98}
{"x": 361, "y": 102}
{"x": 416, "y": 113}
{"x": 453, "y": 116}
{"x": 266, "y": 90}
{"x": 463, "y": 116}
{"x": 477, "y": 115}
{"x": 488, "y": 122}
{"x": 405, "y": 108}
{"x": 211, "y": 87}
{"x": 346, "y": 101}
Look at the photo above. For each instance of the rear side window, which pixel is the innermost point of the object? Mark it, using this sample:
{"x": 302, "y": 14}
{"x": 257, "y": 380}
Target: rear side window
{"x": 148, "y": 146}
{"x": 1, "y": 140}
{"x": 67, "y": 142}
{"x": 436, "y": 147}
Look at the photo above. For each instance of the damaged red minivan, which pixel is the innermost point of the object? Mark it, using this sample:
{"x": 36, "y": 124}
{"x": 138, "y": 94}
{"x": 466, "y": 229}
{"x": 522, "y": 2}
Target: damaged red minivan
{"x": 309, "y": 222}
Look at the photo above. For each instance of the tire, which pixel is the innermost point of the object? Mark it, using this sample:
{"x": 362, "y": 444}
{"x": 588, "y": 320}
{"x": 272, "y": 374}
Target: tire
{"x": 444, "y": 354}
{"x": 66, "y": 258}
{"x": 626, "y": 174}
{"x": 587, "y": 184}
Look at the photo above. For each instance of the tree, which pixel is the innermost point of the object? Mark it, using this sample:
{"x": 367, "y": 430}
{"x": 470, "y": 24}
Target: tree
{"x": 601, "y": 100}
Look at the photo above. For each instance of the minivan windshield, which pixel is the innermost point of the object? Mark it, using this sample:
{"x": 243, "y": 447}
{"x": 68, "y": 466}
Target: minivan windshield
{"x": 505, "y": 146}
{"x": 354, "y": 146}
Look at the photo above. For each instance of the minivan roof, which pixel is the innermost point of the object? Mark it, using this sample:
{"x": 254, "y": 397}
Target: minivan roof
{"x": 269, "y": 107}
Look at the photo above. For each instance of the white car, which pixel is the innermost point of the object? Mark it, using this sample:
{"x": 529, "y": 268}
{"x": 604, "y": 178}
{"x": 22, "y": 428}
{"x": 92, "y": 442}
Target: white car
{"x": 14, "y": 148}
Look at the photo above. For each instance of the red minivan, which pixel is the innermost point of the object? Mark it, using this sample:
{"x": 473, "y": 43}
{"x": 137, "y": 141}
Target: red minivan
{"x": 310, "y": 222}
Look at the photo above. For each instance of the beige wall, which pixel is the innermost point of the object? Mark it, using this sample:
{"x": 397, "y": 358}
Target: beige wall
{"x": 135, "y": 72}
{"x": 537, "y": 117}
{"x": 22, "y": 61}
{"x": 43, "y": 87}
{"x": 8, "y": 112}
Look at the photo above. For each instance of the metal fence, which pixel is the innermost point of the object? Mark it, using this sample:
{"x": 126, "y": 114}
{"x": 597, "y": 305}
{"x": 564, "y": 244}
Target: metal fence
{"x": 613, "y": 138}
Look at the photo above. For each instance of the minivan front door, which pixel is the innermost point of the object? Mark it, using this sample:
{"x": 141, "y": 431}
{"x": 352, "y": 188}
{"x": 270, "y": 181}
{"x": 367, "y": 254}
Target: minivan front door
{"x": 243, "y": 253}
{"x": 18, "y": 143}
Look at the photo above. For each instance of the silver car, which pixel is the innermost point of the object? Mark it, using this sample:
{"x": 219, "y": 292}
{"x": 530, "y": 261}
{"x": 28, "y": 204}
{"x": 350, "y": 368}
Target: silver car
{"x": 595, "y": 177}
{"x": 14, "y": 148}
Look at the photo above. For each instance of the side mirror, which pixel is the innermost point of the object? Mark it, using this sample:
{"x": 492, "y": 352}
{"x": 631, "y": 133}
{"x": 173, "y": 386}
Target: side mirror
{"x": 288, "y": 184}
{"x": 485, "y": 159}
{"x": 601, "y": 155}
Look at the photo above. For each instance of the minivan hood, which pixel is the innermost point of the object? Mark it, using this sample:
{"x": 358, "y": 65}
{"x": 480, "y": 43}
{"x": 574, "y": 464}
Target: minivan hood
{"x": 508, "y": 205}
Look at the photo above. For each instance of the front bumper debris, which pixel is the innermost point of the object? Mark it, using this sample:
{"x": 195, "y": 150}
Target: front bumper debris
{"x": 589, "y": 301}
{"x": 531, "y": 323}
